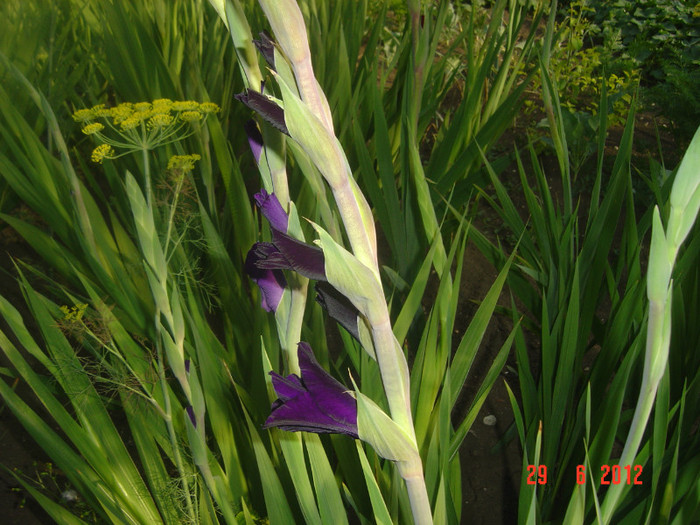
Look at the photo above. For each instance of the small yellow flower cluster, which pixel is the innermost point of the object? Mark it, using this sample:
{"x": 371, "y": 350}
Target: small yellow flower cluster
{"x": 83, "y": 115}
{"x": 101, "y": 152}
{"x": 74, "y": 313}
{"x": 183, "y": 162}
{"x": 160, "y": 120}
{"x": 186, "y": 105}
{"x": 191, "y": 116}
{"x": 93, "y": 128}
{"x": 142, "y": 125}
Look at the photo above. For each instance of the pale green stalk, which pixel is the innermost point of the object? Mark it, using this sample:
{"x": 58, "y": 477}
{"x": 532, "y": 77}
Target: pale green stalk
{"x": 288, "y": 25}
{"x": 685, "y": 203}
{"x": 394, "y": 371}
{"x": 418, "y": 496}
{"x": 291, "y": 321}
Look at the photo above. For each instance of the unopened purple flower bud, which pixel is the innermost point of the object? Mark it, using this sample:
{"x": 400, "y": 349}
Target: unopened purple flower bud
{"x": 266, "y": 47}
{"x": 272, "y": 210}
{"x": 264, "y": 107}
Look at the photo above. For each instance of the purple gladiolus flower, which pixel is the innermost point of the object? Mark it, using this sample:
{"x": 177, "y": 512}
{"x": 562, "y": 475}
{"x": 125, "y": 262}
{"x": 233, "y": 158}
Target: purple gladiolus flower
{"x": 314, "y": 402}
{"x": 288, "y": 253}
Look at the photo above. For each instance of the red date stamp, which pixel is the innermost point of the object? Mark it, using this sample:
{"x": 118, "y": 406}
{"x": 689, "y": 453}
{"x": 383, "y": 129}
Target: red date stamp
{"x": 609, "y": 475}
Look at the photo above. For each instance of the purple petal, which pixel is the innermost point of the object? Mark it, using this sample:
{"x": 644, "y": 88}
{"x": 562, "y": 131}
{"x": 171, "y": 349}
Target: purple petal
{"x": 264, "y": 107}
{"x": 287, "y": 253}
{"x": 338, "y": 307}
{"x": 255, "y": 140}
{"x": 328, "y": 393}
{"x": 270, "y": 281}
{"x": 266, "y": 47}
{"x": 272, "y": 210}
{"x": 303, "y": 258}
{"x": 287, "y": 387}
{"x": 268, "y": 257}
{"x": 316, "y": 403}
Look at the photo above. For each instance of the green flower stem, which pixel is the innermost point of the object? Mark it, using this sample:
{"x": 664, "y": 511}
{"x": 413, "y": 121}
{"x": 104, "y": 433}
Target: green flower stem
{"x": 147, "y": 175}
{"x": 280, "y": 185}
{"x": 418, "y": 496}
{"x": 394, "y": 370}
{"x": 654, "y": 367}
{"x": 395, "y": 378}
{"x": 295, "y": 319}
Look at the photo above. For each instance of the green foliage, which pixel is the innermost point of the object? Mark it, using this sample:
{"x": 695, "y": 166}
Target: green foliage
{"x": 583, "y": 288}
{"x": 580, "y": 63}
{"x": 660, "y": 40}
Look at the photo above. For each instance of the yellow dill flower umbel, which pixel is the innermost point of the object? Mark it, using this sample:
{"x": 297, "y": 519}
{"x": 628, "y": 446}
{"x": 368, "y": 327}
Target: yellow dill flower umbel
{"x": 74, "y": 313}
{"x": 162, "y": 105}
{"x": 82, "y": 115}
{"x": 185, "y": 105}
{"x": 191, "y": 116}
{"x": 160, "y": 120}
{"x": 101, "y": 152}
{"x": 142, "y": 106}
{"x": 131, "y": 122}
{"x": 183, "y": 162}
{"x": 209, "y": 107}
{"x": 100, "y": 111}
{"x": 122, "y": 112}
{"x": 93, "y": 128}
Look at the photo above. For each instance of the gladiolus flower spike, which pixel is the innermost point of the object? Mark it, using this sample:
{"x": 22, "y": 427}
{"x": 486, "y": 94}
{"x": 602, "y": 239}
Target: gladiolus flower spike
{"x": 314, "y": 402}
